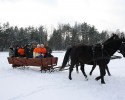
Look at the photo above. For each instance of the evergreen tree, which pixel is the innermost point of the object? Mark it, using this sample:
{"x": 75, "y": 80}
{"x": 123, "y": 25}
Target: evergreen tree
{"x": 61, "y": 38}
{"x": 103, "y": 36}
{"x": 42, "y": 34}
{"x": 84, "y": 33}
{"x": 93, "y": 35}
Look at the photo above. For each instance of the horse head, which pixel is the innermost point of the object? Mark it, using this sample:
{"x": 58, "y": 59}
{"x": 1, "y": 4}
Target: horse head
{"x": 122, "y": 48}
{"x": 113, "y": 37}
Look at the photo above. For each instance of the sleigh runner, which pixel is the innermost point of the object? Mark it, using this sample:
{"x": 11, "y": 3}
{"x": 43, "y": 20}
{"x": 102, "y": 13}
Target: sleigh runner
{"x": 44, "y": 63}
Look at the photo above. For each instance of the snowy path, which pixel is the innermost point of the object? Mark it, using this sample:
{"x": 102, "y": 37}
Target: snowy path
{"x": 30, "y": 84}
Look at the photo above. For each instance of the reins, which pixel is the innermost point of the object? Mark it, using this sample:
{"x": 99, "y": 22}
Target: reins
{"x": 95, "y": 59}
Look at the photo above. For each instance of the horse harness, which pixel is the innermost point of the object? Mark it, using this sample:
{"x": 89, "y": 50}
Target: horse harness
{"x": 122, "y": 50}
{"x": 93, "y": 51}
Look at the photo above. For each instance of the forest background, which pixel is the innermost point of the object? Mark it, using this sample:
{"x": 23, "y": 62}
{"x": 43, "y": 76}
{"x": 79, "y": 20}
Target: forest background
{"x": 60, "y": 38}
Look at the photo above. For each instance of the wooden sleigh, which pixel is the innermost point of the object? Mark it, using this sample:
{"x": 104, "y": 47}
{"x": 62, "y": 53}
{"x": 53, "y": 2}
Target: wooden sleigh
{"x": 44, "y": 63}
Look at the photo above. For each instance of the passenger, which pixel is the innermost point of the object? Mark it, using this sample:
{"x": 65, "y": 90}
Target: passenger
{"x": 43, "y": 51}
{"x": 12, "y": 54}
{"x": 36, "y": 51}
{"x": 21, "y": 51}
{"x": 48, "y": 50}
{"x": 16, "y": 51}
{"x": 27, "y": 51}
{"x": 32, "y": 47}
{"x": 11, "y": 51}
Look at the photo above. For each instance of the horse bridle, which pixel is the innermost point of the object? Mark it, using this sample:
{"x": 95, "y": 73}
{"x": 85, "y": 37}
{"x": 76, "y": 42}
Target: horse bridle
{"x": 122, "y": 48}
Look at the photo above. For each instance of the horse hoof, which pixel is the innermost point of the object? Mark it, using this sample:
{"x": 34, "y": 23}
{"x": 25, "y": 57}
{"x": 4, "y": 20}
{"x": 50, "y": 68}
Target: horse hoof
{"x": 102, "y": 82}
{"x": 96, "y": 79}
{"x": 70, "y": 78}
{"x": 90, "y": 74}
{"x": 61, "y": 69}
{"x": 77, "y": 72}
{"x": 86, "y": 79}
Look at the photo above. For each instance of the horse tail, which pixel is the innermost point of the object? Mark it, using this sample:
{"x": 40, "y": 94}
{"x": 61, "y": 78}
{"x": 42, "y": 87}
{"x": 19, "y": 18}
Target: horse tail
{"x": 66, "y": 58}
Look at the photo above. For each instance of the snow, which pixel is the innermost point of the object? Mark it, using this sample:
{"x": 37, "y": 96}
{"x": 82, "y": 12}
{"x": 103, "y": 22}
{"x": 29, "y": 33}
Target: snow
{"x": 31, "y": 84}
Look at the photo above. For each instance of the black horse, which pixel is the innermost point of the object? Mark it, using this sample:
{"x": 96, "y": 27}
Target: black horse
{"x": 114, "y": 36}
{"x": 84, "y": 54}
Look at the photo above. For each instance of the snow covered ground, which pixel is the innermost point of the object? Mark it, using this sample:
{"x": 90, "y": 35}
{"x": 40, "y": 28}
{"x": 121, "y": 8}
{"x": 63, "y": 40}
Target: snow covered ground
{"x": 30, "y": 84}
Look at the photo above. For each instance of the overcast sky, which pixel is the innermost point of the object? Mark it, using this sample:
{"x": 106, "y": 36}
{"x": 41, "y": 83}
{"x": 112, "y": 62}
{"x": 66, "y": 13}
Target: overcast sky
{"x": 103, "y": 14}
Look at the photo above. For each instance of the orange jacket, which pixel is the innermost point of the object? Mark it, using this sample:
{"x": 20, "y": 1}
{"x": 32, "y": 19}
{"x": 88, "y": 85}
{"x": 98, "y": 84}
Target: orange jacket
{"x": 40, "y": 50}
{"x": 21, "y": 51}
{"x": 43, "y": 50}
{"x": 37, "y": 50}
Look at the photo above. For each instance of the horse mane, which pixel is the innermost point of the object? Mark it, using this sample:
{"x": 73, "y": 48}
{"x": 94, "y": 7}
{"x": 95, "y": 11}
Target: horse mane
{"x": 113, "y": 37}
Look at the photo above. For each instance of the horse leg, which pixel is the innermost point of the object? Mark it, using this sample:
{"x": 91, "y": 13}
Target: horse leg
{"x": 107, "y": 69}
{"x": 92, "y": 69}
{"x": 99, "y": 77}
{"x": 77, "y": 70}
{"x": 70, "y": 72}
{"x": 71, "y": 69}
{"x": 102, "y": 73}
{"x": 83, "y": 70}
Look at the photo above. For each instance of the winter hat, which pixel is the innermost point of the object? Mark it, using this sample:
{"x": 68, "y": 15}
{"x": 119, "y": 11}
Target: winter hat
{"x": 42, "y": 45}
{"x": 38, "y": 45}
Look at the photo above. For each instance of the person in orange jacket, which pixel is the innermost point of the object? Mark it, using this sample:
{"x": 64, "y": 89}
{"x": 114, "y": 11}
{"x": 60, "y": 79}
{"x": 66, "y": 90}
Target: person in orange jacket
{"x": 36, "y": 51}
{"x": 39, "y": 51}
{"x": 21, "y": 52}
{"x": 43, "y": 49}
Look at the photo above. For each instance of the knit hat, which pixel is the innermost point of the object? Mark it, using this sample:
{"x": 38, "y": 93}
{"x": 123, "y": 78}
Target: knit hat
{"x": 38, "y": 45}
{"x": 42, "y": 45}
